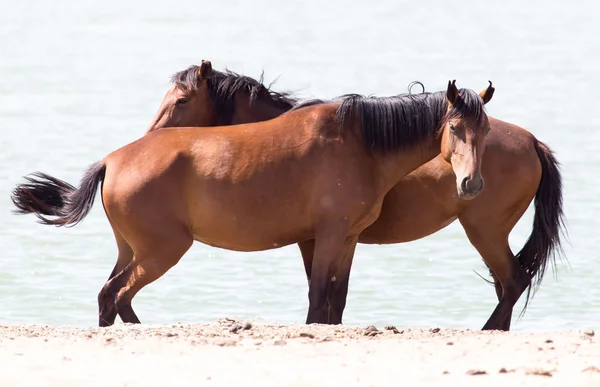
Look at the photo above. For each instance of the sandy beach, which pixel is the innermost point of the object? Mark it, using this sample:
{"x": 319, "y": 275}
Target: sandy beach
{"x": 231, "y": 352}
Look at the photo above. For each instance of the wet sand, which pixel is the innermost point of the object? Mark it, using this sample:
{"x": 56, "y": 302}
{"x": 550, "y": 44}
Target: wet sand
{"x": 232, "y": 352}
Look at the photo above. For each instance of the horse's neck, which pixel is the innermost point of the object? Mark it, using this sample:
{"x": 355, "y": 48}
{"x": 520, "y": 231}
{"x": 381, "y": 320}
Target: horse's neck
{"x": 259, "y": 111}
{"x": 395, "y": 166}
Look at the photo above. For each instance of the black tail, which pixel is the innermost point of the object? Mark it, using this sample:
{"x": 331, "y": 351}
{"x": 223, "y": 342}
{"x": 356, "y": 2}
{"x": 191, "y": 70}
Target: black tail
{"x": 544, "y": 245}
{"x": 45, "y": 195}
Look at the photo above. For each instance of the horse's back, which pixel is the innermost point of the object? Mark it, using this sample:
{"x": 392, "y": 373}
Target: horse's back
{"x": 511, "y": 139}
{"x": 243, "y": 187}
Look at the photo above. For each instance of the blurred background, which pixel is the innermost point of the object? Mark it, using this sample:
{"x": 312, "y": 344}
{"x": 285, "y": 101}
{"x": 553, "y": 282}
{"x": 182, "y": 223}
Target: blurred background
{"x": 79, "y": 79}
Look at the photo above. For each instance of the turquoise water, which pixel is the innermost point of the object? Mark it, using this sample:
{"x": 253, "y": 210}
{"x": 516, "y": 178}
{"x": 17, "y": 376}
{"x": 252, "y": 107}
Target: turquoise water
{"x": 79, "y": 80}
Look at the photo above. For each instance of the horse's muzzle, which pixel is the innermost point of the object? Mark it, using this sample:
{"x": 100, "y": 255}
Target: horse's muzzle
{"x": 470, "y": 187}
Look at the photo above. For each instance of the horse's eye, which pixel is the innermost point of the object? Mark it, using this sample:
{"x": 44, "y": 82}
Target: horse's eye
{"x": 181, "y": 101}
{"x": 452, "y": 128}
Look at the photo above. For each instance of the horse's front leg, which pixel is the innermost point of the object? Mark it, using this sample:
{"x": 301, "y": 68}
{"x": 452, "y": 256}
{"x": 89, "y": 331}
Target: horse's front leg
{"x": 307, "y": 249}
{"x": 332, "y": 260}
{"x": 338, "y": 287}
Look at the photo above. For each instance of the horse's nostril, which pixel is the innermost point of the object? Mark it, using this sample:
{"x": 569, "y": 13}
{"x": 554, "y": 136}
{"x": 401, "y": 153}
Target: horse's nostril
{"x": 463, "y": 184}
{"x": 470, "y": 185}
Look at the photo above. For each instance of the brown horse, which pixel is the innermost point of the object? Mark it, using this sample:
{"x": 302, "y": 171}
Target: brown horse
{"x": 517, "y": 169}
{"x": 317, "y": 173}
{"x": 214, "y": 98}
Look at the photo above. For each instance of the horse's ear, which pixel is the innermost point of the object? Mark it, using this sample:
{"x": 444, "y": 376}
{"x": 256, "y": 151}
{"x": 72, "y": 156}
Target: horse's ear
{"x": 452, "y": 92}
{"x": 487, "y": 94}
{"x": 205, "y": 69}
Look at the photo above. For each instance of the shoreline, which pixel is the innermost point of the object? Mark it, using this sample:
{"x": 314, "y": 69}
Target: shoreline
{"x": 231, "y": 352}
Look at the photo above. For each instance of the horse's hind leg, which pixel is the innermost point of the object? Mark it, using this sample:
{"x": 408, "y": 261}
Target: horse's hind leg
{"x": 510, "y": 280}
{"x": 505, "y": 326}
{"x": 107, "y": 311}
{"x": 151, "y": 260}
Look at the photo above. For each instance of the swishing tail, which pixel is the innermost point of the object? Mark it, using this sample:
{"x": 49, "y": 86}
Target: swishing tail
{"x": 544, "y": 244}
{"x": 56, "y": 202}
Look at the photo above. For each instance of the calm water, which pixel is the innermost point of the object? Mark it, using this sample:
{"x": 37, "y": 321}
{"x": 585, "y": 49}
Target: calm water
{"x": 79, "y": 79}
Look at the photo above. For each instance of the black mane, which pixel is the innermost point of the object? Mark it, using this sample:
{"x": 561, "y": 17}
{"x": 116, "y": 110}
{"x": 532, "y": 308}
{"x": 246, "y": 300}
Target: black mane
{"x": 223, "y": 87}
{"x": 390, "y": 123}
{"x": 307, "y": 103}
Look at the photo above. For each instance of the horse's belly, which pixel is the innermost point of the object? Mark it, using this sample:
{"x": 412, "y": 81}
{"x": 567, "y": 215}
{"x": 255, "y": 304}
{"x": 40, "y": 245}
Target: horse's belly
{"x": 241, "y": 228}
{"x": 415, "y": 208}
{"x": 407, "y": 228}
